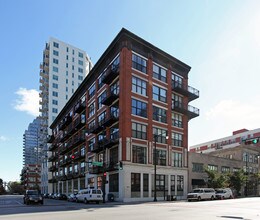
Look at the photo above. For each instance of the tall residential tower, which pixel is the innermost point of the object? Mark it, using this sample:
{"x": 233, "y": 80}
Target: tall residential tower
{"x": 63, "y": 69}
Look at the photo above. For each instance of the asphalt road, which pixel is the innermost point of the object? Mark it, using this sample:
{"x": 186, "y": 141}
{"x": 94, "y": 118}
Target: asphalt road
{"x": 12, "y": 208}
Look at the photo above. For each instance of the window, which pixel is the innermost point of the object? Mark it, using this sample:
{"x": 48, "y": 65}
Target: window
{"x": 139, "y": 86}
{"x": 114, "y": 182}
{"x": 55, "y": 102}
{"x": 180, "y": 185}
{"x": 67, "y": 57}
{"x": 80, "y": 70}
{"x": 91, "y": 124}
{"x": 225, "y": 169}
{"x": 176, "y": 101}
{"x": 101, "y": 98}
{"x": 91, "y": 110}
{"x": 91, "y": 91}
{"x": 139, "y": 131}
{"x": 177, "y": 120}
{"x": 197, "y": 167}
{"x": 159, "y": 114}
{"x": 102, "y": 117}
{"x": 72, "y": 67}
{"x": 55, "y": 69}
{"x": 55, "y": 77}
{"x": 54, "y": 110}
{"x": 72, "y": 83}
{"x": 139, "y": 154}
{"x": 176, "y": 78}
{"x": 72, "y": 75}
{"x": 145, "y": 184}
{"x": 138, "y": 63}
{"x": 55, "y": 94}
{"x": 80, "y": 62}
{"x": 177, "y": 139}
{"x": 67, "y": 65}
{"x": 73, "y": 59}
{"x": 100, "y": 80}
{"x": 212, "y": 167}
{"x": 67, "y": 49}
{"x": 72, "y": 90}
{"x": 159, "y": 73}
{"x": 91, "y": 144}
{"x": 55, "y": 85}
{"x": 173, "y": 183}
{"x": 135, "y": 182}
{"x": 82, "y": 151}
{"x": 159, "y": 94}
{"x": 56, "y": 61}
{"x": 55, "y": 44}
{"x": 161, "y": 157}
{"x": 177, "y": 159}
{"x": 80, "y": 55}
{"x": 139, "y": 108}
{"x": 55, "y": 52}
{"x": 160, "y": 182}
{"x": 160, "y": 135}
{"x": 115, "y": 88}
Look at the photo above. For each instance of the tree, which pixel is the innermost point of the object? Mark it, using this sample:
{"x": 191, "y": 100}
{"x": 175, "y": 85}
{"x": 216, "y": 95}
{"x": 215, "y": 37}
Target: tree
{"x": 236, "y": 180}
{"x": 216, "y": 180}
{"x": 2, "y": 188}
{"x": 15, "y": 187}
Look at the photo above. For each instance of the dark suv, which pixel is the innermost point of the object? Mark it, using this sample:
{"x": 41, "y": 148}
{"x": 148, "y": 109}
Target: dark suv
{"x": 32, "y": 196}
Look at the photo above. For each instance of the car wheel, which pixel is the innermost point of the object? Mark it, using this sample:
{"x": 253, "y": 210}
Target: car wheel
{"x": 85, "y": 201}
{"x": 189, "y": 200}
{"x": 199, "y": 199}
{"x": 212, "y": 197}
{"x": 230, "y": 197}
{"x": 97, "y": 202}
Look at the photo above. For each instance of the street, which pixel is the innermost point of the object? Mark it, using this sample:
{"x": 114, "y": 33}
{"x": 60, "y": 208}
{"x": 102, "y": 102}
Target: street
{"x": 12, "y": 208}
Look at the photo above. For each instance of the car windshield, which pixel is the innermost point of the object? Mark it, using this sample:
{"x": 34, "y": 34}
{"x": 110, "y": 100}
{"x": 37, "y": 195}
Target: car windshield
{"x": 196, "y": 191}
{"x": 219, "y": 191}
{"x": 32, "y": 193}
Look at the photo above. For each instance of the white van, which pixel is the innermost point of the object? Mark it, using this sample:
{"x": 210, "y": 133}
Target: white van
{"x": 201, "y": 194}
{"x": 225, "y": 193}
{"x": 89, "y": 195}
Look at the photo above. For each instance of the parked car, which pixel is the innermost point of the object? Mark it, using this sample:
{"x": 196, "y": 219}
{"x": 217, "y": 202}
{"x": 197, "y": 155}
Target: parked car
{"x": 89, "y": 195}
{"x": 72, "y": 197}
{"x": 46, "y": 195}
{"x": 201, "y": 194}
{"x": 61, "y": 196}
{"x": 32, "y": 196}
{"x": 225, "y": 193}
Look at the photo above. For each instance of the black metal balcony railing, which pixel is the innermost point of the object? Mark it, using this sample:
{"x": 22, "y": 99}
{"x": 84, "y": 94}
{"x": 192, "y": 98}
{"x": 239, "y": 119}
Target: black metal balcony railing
{"x": 188, "y": 110}
{"x": 67, "y": 120}
{"x": 52, "y": 147}
{"x": 110, "y": 99}
{"x": 79, "y": 122}
{"x": 79, "y": 139}
{"x": 79, "y": 107}
{"x": 111, "y": 73}
{"x": 114, "y": 139}
{"x": 53, "y": 168}
{"x": 50, "y": 139}
{"x": 185, "y": 90}
{"x": 114, "y": 117}
{"x": 96, "y": 170}
{"x": 52, "y": 158}
{"x": 96, "y": 129}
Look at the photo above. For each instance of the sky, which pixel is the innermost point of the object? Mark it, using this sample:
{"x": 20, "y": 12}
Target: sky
{"x": 219, "y": 39}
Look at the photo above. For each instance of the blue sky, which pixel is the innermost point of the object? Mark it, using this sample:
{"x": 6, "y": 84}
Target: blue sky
{"x": 219, "y": 39}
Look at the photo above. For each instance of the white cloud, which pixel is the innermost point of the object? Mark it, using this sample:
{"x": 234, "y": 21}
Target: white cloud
{"x": 3, "y": 138}
{"x": 28, "y": 101}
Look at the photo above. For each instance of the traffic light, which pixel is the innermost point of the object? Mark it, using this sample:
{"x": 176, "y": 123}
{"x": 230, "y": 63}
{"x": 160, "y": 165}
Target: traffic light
{"x": 120, "y": 167}
{"x": 72, "y": 157}
{"x": 252, "y": 141}
{"x": 105, "y": 174}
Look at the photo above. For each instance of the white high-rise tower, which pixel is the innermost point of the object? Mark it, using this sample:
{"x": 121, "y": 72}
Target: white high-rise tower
{"x": 63, "y": 69}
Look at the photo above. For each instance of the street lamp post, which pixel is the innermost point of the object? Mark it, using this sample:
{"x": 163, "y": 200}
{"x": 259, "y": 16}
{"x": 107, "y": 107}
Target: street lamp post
{"x": 155, "y": 162}
{"x": 246, "y": 191}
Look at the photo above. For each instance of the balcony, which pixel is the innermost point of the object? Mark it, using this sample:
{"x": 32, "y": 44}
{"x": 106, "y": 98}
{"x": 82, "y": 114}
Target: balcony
{"x": 99, "y": 127}
{"x": 53, "y": 180}
{"x": 69, "y": 176}
{"x": 185, "y": 90}
{"x": 111, "y": 73}
{"x": 79, "y": 122}
{"x": 95, "y": 170}
{"x": 79, "y": 107}
{"x": 50, "y": 138}
{"x": 67, "y": 120}
{"x": 98, "y": 147}
{"x": 114, "y": 139}
{"x": 53, "y": 168}
{"x": 190, "y": 111}
{"x": 114, "y": 117}
{"x": 53, "y": 158}
{"x": 52, "y": 147}
{"x": 79, "y": 139}
{"x": 110, "y": 99}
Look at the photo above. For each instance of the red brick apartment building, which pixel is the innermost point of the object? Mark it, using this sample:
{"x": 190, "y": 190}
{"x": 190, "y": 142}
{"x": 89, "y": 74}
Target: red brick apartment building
{"x": 31, "y": 176}
{"x": 134, "y": 100}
